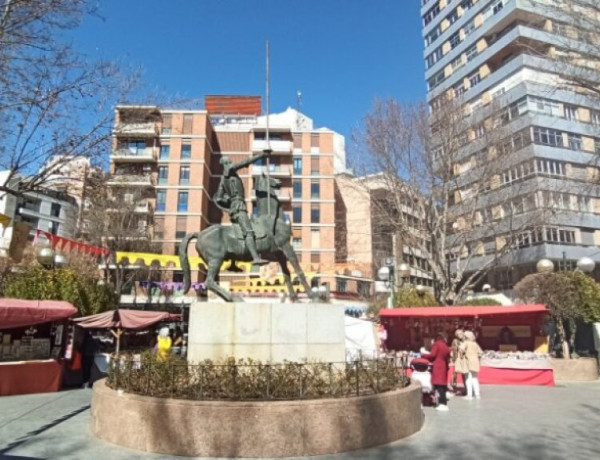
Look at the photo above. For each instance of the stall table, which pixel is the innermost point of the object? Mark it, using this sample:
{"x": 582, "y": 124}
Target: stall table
{"x": 25, "y": 377}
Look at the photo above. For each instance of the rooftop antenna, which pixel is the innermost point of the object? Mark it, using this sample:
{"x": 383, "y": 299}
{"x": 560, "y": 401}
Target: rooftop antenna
{"x": 299, "y": 99}
{"x": 267, "y": 149}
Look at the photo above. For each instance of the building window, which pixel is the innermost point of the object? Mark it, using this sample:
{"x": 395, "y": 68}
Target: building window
{"x": 182, "y": 202}
{"x": 474, "y": 79}
{"x": 298, "y": 165}
{"x": 315, "y": 258}
{"x": 298, "y": 141}
{"x": 166, "y": 124}
{"x": 53, "y": 227}
{"x": 296, "y": 243}
{"x": 363, "y": 288}
{"x": 137, "y": 147}
{"x": 547, "y": 136}
{"x": 431, "y": 14}
{"x": 159, "y": 228}
{"x": 186, "y": 151}
{"x": 550, "y": 167}
{"x": 297, "y": 185}
{"x": 297, "y": 214}
{"x": 471, "y": 53}
{"x": 595, "y": 118}
{"x": 454, "y": 40}
{"x": 315, "y": 238}
{"x": 315, "y": 190}
{"x": 180, "y": 227}
{"x": 188, "y": 119}
{"x": 161, "y": 200}
{"x": 315, "y": 166}
{"x": 315, "y": 214}
{"x": 575, "y": 142}
{"x": 163, "y": 173}
{"x": 55, "y": 210}
{"x": 434, "y": 81}
{"x": 184, "y": 175}
{"x": 341, "y": 285}
{"x": 164, "y": 151}
{"x": 570, "y": 112}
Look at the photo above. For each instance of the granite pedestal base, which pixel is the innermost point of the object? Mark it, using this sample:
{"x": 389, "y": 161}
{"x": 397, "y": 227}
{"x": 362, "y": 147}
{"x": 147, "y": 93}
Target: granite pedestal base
{"x": 268, "y": 332}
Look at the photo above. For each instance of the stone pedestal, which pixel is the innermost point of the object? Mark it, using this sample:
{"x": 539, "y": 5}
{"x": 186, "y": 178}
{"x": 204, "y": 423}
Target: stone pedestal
{"x": 268, "y": 332}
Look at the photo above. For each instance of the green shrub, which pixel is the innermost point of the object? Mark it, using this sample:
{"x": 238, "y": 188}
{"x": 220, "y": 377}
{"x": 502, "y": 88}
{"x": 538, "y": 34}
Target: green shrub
{"x": 480, "y": 301}
{"x": 409, "y": 297}
{"x": 249, "y": 380}
{"x": 37, "y": 283}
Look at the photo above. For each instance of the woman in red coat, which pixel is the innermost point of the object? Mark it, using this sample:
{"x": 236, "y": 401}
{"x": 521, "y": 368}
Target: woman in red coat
{"x": 440, "y": 356}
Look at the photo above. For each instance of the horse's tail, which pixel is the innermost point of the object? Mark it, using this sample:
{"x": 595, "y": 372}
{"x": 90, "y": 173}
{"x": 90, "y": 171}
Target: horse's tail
{"x": 183, "y": 258}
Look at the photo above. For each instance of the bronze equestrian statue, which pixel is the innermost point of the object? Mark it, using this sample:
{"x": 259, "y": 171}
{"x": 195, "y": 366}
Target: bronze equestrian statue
{"x": 262, "y": 239}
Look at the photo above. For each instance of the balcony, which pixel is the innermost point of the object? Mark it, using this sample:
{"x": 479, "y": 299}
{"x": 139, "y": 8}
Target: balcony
{"x": 143, "y": 208}
{"x": 274, "y": 170}
{"x": 259, "y": 145}
{"x": 134, "y": 156}
{"x": 131, "y": 180}
{"x": 136, "y": 129}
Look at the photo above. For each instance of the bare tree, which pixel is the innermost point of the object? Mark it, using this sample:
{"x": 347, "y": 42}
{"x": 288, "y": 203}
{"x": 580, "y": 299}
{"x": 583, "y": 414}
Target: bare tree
{"x": 437, "y": 171}
{"x": 575, "y": 47}
{"x": 119, "y": 218}
{"x": 54, "y": 102}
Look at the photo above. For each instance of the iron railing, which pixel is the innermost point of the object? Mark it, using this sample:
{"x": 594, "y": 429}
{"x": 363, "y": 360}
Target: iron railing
{"x": 255, "y": 381}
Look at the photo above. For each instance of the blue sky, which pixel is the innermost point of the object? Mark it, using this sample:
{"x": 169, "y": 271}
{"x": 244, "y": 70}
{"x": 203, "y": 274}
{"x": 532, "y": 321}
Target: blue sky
{"x": 341, "y": 54}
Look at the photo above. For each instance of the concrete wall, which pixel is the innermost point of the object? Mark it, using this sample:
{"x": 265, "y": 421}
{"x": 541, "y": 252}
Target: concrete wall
{"x": 269, "y": 332}
{"x": 254, "y": 429}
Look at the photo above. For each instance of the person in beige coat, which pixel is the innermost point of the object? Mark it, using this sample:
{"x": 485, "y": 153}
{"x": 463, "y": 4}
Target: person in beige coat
{"x": 472, "y": 352}
{"x": 457, "y": 359}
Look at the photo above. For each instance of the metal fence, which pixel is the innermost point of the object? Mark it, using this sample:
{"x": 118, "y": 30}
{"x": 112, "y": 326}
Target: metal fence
{"x": 255, "y": 381}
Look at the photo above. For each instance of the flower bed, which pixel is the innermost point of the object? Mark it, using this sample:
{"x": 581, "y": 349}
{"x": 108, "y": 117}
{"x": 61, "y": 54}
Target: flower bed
{"x": 247, "y": 380}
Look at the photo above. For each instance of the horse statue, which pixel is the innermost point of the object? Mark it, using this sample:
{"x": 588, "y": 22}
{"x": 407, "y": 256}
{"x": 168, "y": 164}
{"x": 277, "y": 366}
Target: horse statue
{"x": 218, "y": 243}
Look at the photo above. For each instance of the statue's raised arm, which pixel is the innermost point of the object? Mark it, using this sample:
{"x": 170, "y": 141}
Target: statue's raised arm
{"x": 249, "y": 161}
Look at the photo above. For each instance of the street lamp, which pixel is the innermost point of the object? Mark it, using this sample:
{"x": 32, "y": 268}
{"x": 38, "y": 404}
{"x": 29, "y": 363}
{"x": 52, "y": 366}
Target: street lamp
{"x": 586, "y": 265}
{"x": 45, "y": 256}
{"x": 545, "y": 266}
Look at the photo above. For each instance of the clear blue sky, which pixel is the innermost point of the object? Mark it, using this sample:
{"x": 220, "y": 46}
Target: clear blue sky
{"x": 341, "y": 54}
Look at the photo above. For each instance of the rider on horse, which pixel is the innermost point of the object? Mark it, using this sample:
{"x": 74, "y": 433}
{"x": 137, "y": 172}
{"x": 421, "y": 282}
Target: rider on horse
{"x": 230, "y": 197}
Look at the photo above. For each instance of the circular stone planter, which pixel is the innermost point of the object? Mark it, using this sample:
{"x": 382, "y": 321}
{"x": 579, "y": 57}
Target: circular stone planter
{"x": 254, "y": 429}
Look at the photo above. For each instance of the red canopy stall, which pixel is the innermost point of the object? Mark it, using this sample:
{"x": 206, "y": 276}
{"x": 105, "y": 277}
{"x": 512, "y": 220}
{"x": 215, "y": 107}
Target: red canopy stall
{"x": 32, "y": 338}
{"x": 515, "y": 363}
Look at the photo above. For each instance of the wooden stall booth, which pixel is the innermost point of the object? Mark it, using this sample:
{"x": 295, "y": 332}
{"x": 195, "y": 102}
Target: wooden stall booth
{"x": 33, "y": 334}
{"x": 512, "y": 337}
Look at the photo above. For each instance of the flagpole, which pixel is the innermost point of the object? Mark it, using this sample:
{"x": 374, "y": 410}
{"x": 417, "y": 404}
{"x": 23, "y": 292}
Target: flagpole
{"x": 268, "y": 143}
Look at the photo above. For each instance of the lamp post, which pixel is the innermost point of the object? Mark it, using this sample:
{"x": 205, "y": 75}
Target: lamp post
{"x": 545, "y": 266}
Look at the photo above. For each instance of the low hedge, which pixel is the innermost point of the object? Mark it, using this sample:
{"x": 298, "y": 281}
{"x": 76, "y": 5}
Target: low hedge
{"x": 248, "y": 380}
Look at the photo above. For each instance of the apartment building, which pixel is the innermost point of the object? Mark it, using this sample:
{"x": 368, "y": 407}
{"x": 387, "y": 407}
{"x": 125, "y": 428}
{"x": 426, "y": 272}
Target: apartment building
{"x": 501, "y": 55}
{"x": 168, "y": 162}
{"x": 364, "y": 234}
{"x": 46, "y": 209}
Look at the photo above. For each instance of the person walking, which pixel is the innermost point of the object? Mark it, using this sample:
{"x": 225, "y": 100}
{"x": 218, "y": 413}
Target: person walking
{"x": 457, "y": 359}
{"x": 440, "y": 356}
{"x": 472, "y": 352}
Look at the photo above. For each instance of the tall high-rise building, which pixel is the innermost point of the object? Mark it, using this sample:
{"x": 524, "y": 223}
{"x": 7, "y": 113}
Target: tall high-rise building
{"x": 168, "y": 161}
{"x": 504, "y": 56}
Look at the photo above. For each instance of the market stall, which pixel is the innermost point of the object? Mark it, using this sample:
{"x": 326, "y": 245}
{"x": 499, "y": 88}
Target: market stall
{"x": 120, "y": 323}
{"x": 32, "y": 343}
{"x": 516, "y": 346}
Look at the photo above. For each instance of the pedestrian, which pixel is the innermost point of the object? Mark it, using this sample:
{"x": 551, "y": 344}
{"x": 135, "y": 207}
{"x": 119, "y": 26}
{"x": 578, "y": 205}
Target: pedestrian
{"x": 472, "y": 353}
{"x": 163, "y": 345}
{"x": 383, "y": 335}
{"x": 457, "y": 359}
{"x": 440, "y": 356}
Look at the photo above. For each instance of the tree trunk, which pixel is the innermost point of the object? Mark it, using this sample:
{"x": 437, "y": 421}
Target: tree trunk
{"x": 562, "y": 337}
{"x": 573, "y": 327}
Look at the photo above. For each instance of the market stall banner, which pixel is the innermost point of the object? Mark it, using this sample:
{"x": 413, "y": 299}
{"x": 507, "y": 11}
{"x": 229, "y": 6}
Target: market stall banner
{"x": 66, "y": 244}
{"x": 19, "y": 312}
{"x": 457, "y": 312}
{"x": 125, "y": 319}
{"x": 169, "y": 261}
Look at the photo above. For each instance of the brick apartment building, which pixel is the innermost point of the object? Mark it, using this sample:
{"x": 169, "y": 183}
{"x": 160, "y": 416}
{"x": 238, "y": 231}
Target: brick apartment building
{"x": 171, "y": 159}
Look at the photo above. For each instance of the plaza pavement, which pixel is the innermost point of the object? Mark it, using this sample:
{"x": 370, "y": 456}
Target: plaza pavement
{"x": 509, "y": 422}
